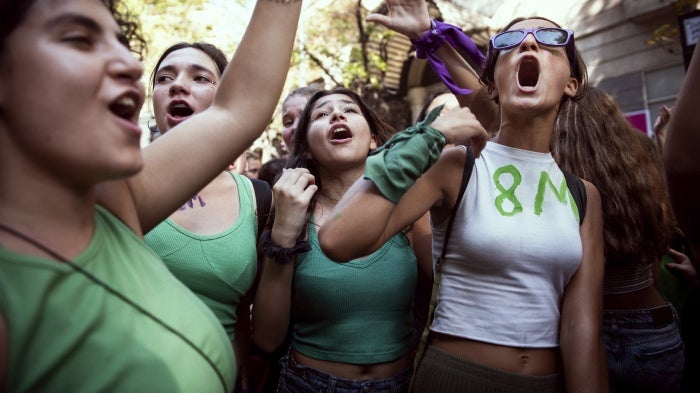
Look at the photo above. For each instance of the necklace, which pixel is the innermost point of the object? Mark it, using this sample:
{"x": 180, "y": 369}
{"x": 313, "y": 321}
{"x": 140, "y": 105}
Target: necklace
{"x": 115, "y": 292}
{"x": 33, "y": 242}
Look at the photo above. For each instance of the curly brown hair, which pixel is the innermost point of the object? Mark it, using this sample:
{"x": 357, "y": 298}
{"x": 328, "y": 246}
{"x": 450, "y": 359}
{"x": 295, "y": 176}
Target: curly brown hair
{"x": 13, "y": 12}
{"x": 594, "y": 140}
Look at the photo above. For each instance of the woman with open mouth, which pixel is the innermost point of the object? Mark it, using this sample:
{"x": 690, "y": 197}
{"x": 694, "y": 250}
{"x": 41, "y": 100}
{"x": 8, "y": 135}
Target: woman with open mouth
{"x": 519, "y": 302}
{"x": 352, "y": 323}
{"x": 85, "y": 305}
{"x": 209, "y": 243}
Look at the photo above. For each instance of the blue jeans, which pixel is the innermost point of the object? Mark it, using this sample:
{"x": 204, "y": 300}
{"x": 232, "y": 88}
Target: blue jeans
{"x": 644, "y": 349}
{"x": 297, "y": 378}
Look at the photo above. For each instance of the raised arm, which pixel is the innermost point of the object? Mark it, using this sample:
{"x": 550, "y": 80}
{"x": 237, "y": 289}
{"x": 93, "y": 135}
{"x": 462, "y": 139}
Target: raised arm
{"x": 364, "y": 219}
{"x": 585, "y": 365}
{"x": 411, "y": 19}
{"x": 190, "y": 155}
{"x": 479, "y": 102}
{"x": 372, "y": 211}
{"x": 681, "y": 155}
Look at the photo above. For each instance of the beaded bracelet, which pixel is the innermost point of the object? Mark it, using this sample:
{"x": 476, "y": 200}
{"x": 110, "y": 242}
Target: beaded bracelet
{"x": 432, "y": 40}
{"x": 281, "y": 255}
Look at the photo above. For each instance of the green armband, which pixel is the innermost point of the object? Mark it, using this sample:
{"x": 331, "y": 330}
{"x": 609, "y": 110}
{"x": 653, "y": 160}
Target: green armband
{"x": 396, "y": 165}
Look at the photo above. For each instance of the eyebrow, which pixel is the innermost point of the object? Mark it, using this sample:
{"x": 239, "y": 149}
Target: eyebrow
{"x": 191, "y": 67}
{"x": 342, "y": 101}
{"x": 84, "y": 21}
{"x": 71, "y": 18}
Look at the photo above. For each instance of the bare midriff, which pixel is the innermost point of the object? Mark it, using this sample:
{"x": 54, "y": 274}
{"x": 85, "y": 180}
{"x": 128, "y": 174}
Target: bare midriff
{"x": 648, "y": 297}
{"x": 359, "y": 372}
{"x": 525, "y": 361}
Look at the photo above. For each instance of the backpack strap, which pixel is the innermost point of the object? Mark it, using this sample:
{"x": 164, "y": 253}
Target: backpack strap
{"x": 263, "y": 202}
{"x": 578, "y": 191}
{"x": 466, "y": 175}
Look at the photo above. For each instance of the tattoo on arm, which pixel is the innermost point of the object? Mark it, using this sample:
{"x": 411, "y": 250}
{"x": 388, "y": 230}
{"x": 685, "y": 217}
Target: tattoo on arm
{"x": 193, "y": 202}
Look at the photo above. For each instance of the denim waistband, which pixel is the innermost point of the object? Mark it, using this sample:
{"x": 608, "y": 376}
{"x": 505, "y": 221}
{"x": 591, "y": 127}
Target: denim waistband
{"x": 308, "y": 373}
{"x": 650, "y": 318}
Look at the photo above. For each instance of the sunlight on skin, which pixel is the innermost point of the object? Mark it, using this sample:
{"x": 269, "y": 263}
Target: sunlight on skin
{"x": 552, "y": 50}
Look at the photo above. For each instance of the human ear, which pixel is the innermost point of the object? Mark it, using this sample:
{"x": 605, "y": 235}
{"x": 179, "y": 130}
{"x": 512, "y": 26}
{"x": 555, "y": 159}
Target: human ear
{"x": 373, "y": 143}
{"x": 492, "y": 92}
{"x": 571, "y": 87}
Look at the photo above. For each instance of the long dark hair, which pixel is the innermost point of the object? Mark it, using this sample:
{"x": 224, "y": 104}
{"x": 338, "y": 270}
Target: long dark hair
{"x": 299, "y": 157}
{"x": 594, "y": 140}
{"x": 578, "y": 66}
{"x": 13, "y": 12}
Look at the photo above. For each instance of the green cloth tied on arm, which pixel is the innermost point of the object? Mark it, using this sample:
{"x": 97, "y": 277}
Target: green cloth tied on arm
{"x": 396, "y": 165}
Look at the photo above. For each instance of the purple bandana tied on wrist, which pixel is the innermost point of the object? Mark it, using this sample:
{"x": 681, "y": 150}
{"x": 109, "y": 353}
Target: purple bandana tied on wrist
{"x": 433, "y": 39}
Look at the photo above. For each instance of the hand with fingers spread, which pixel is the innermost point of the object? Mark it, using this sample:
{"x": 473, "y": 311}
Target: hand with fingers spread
{"x": 461, "y": 127}
{"x": 409, "y": 18}
{"x": 292, "y": 192}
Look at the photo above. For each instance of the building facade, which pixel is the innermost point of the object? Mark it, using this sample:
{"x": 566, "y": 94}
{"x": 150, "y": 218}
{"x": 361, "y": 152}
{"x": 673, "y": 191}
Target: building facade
{"x": 632, "y": 48}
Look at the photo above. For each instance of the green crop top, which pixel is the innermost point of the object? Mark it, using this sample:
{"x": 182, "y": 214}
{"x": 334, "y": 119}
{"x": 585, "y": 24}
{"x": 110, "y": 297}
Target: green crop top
{"x": 69, "y": 333}
{"x": 219, "y": 268}
{"x": 356, "y": 312}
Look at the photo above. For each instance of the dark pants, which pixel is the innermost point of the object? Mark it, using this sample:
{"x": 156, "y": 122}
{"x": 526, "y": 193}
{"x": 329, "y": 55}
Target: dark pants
{"x": 440, "y": 372}
{"x": 297, "y": 378}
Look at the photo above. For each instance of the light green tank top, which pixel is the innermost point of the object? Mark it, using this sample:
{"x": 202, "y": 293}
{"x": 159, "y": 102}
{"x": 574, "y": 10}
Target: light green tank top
{"x": 124, "y": 325}
{"x": 218, "y": 268}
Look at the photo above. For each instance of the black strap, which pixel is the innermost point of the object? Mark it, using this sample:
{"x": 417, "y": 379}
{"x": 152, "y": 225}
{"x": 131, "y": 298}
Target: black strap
{"x": 578, "y": 191}
{"x": 263, "y": 201}
{"x": 466, "y": 175}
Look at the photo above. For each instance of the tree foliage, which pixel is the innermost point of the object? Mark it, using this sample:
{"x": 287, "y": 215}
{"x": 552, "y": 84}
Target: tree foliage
{"x": 165, "y": 22}
{"x": 337, "y": 45}
{"x": 334, "y": 43}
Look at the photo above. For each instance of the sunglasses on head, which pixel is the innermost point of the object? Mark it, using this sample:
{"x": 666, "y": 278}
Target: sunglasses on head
{"x": 549, "y": 36}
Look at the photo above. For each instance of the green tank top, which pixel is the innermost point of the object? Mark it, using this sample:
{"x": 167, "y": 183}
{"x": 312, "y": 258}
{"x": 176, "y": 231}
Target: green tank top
{"x": 75, "y": 332}
{"x": 357, "y": 312}
{"x": 220, "y": 268}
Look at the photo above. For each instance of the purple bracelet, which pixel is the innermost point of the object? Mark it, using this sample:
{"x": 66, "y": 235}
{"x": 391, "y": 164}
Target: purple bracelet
{"x": 434, "y": 38}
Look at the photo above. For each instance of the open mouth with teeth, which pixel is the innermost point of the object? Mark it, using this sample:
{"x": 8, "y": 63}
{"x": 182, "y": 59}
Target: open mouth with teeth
{"x": 528, "y": 73}
{"x": 340, "y": 134}
{"x": 125, "y": 107}
{"x": 180, "y": 110}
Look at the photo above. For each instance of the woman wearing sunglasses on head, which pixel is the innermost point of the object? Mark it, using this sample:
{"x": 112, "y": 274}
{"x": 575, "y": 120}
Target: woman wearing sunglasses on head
{"x": 519, "y": 303}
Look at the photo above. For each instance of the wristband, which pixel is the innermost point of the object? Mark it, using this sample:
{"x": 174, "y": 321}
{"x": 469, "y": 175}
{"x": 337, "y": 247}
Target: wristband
{"x": 281, "y": 255}
{"x": 432, "y": 40}
{"x": 395, "y": 166}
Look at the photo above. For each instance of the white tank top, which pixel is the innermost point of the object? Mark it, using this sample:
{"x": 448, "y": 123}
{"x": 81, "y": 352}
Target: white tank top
{"x": 515, "y": 244}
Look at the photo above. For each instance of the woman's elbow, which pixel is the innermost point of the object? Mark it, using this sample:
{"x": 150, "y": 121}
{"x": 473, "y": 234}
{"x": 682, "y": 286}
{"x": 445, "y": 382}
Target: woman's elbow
{"x": 267, "y": 343}
{"x": 332, "y": 245}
